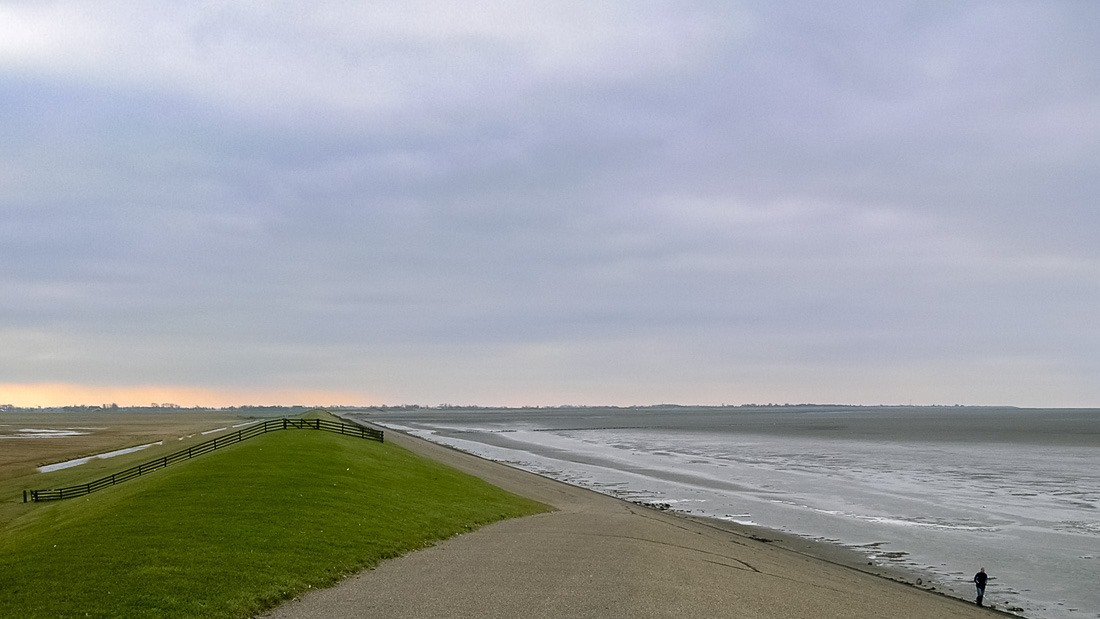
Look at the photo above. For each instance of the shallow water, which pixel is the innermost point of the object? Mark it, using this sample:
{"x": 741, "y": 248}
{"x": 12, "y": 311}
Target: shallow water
{"x": 68, "y": 464}
{"x": 43, "y": 433}
{"x": 938, "y": 491}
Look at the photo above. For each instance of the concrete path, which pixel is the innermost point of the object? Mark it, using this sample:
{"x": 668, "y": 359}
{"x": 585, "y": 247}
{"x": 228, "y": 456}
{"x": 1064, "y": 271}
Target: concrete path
{"x": 597, "y": 556}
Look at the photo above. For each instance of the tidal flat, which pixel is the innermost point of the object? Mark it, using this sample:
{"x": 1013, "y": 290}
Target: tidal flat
{"x": 935, "y": 491}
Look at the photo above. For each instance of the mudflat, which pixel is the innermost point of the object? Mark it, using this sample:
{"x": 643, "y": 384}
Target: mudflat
{"x": 598, "y": 556}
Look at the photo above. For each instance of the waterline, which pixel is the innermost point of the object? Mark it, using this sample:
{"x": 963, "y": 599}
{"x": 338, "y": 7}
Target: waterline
{"x": 933, "y": 492}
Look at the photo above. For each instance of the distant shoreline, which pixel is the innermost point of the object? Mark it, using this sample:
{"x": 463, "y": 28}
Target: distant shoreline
{"x": 821, "y": 551}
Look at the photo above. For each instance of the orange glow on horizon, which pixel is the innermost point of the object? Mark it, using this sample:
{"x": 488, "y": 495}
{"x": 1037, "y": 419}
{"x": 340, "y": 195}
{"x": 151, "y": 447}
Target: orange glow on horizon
{"x": 65, "y": 394}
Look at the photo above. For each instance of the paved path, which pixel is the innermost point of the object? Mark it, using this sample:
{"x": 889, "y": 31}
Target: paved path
{"x": 597, "y": 556}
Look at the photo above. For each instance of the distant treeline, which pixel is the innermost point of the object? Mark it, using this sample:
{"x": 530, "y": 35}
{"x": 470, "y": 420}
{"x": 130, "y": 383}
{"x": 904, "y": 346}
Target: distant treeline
{"x": 85, "y": 408}
{"x": 295, "y": 409}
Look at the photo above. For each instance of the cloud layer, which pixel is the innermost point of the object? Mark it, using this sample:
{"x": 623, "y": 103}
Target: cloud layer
{"x": 582, "y": 203}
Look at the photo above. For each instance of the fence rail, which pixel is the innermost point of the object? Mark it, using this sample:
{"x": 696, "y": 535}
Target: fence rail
{"x": 232, "y": 438}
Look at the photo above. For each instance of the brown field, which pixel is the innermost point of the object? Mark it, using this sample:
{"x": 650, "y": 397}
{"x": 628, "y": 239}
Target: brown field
{"x": 104, "y": 431}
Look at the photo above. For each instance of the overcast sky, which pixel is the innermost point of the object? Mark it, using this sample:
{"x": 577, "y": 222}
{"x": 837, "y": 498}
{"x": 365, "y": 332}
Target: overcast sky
{"x": 509, "y": 203}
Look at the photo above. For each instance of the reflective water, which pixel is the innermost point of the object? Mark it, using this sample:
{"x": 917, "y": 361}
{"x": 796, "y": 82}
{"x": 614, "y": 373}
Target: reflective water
{"x": 42, "y": 433}
{"x": 109, "y": 454}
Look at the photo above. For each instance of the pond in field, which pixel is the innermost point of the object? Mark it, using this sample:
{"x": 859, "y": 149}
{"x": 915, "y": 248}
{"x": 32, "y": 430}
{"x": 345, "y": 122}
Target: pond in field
{"x": 45, "y": 433}
{"x": 110, "y": 454}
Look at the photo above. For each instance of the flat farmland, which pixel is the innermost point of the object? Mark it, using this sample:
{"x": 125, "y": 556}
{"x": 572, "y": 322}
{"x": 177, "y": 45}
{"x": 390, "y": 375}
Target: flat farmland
{"x": 30, "y": 439}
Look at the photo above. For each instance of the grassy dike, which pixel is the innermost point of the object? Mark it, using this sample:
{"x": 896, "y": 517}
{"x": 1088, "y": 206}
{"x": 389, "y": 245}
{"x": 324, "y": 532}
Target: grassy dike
{"x": 235, "y": 532}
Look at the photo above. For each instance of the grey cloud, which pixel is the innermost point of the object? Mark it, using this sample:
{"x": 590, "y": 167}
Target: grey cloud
{"x": 759, "y": 185}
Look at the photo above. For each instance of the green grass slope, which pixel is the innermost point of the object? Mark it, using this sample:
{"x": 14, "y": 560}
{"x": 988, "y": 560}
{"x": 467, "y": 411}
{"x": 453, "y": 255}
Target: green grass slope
{"x": 234, "y": 532}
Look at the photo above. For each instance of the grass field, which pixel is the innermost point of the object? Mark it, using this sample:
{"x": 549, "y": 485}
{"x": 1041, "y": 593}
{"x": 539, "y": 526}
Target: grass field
{"x": 236, "y": 531}
{"x": 99, "y": 431}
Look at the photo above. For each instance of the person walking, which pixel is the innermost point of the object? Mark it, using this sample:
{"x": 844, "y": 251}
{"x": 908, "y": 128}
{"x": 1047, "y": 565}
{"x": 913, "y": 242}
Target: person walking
{"x": 979, "y": 583}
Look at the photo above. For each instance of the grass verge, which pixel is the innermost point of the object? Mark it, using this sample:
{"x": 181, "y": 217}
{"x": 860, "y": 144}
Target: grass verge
{"x": 235, "y": 532}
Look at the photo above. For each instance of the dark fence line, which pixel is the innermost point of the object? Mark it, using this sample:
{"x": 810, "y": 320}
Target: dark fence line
{"x": 271, "y": 425}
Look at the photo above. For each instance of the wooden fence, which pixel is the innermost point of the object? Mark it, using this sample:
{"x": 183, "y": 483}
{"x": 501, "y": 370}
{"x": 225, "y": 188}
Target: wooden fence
{"x": 271, "y": 425}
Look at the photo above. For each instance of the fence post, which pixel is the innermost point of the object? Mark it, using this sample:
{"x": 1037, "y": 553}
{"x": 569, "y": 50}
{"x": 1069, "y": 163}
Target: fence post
{"x": 24, "y": 496}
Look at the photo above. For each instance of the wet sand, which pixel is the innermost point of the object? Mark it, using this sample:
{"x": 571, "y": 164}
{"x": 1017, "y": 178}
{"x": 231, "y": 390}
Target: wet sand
{"x": 598, "y": 556}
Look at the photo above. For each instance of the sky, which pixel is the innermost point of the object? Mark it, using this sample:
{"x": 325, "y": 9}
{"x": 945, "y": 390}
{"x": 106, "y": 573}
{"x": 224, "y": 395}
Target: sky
{"x": 550, "y": 203}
